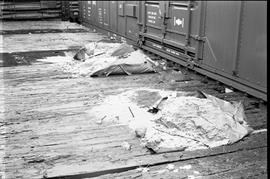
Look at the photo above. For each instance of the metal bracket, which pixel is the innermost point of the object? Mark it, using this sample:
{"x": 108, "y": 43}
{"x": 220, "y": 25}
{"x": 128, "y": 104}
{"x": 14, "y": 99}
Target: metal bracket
{"x": 191, "y": 63}
{"x": 140, "y": 40}
{"x": 200, "y": 38}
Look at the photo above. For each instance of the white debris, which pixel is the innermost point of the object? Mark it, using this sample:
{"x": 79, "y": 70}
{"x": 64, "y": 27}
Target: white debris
{"x": 175, "y": 170}
{"x": 182, "y": 122}
{"x": 98, "y": 59}
{"x": 140, "y": 131}
{"x": 259, "y": 131}
{"x": 56, "y": 59}
{"x": 228, "y": 90}
{"x": 126, "y": 146}
{"x": 161, "y": 171}
{"x": 170, "y": 167}
{"x": 191, "y": 177}
{"x": 186, "y": 167}
{"x": 196, "y": 172}
{"x": 143, "y": 169}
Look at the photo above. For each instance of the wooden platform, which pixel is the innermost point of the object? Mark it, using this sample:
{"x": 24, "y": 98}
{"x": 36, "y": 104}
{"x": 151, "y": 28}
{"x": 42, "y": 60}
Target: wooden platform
{"x": 47, "y": 131}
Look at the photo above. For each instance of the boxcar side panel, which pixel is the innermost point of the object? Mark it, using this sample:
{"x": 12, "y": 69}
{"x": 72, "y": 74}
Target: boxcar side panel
{"x": 252, "y": 51}
{"x": 131, "y": 15}
{"x": 221, "y": 35}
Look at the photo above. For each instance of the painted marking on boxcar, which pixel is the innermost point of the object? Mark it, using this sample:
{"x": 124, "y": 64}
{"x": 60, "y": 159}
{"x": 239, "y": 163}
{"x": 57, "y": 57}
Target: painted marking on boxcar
{"x": 157, "y": 46}
{"x": 94, "y": 2}
{"x": 178, "y": 21}
{"x": 168, "y": 50}
{"x": 173, "y": 52}
{"x": 100, "y": 16}
{"x": 151, "y": 17}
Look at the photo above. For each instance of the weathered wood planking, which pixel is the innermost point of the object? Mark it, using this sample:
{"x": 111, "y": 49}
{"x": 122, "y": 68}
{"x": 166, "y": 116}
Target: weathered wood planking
{"x": 60, "y": 127}
{"x": 47, "y": 41}
{"x": 28, "y": 25}
{"x": 230, "y": 165}
{"x": 95, "y": 168}
{"x": 47, "y": 126}
{"x": 46, "y": 86}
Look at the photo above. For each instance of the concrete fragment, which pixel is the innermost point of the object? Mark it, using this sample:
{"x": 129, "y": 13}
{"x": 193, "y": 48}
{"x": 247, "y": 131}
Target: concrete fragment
{"x": 170, "y": 167}
{"x": 186, "y": 167}
{"x": 143, "y": 169}
{"x": 140, "y": 132}
{"x": 126, "y": 146}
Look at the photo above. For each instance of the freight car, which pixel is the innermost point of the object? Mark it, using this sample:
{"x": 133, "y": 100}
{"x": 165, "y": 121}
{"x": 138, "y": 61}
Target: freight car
{"x": 29, "y": 9}
{"x": 225, "y": 40}
{"x": 70, "y": 10}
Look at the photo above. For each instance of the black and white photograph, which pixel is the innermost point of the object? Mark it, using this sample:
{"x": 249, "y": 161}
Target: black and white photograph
{"x": 133, "y": 89}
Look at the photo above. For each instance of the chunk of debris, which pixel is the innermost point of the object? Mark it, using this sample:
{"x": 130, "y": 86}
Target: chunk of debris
{"x": 101, "y": 120}
{"x": 161, "y": 171}
{"x": 140, "y": 132}
{"x": 186, "y": 167}
{"x": 85, "y": 52}
{"x": 143, "y": 169}
{"x": 126, "y": 146}
{"x": 170, "y": 167}
{"x": 228, "y": 90}
{"x": 154, "y": 109}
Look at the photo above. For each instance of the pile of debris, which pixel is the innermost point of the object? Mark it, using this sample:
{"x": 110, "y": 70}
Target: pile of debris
{"x": 103, "y": 59}
{"x": 177, "y": 120}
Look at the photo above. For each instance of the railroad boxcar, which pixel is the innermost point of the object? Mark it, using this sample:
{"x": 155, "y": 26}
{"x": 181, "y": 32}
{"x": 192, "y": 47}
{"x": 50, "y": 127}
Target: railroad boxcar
{"x": 225, "y": 40}
{"x": 29, "y": 9}
{"x": 70, "y": 11}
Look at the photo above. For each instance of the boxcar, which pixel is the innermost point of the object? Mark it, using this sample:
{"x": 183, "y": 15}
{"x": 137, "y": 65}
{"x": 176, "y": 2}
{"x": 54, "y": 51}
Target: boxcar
{"x": 70, "y": 10}
{"x": 225, "y": 40}
{"x": 29, "y": 9}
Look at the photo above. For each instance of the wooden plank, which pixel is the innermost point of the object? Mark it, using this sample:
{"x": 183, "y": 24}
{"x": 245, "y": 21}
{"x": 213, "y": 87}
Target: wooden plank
{"x": 28, "y": 25}
{"x": 41, "y": 31}
{"x": 242, "y": 164}
{"x": 97, "y": 168}
{"x": 48, "y": 41}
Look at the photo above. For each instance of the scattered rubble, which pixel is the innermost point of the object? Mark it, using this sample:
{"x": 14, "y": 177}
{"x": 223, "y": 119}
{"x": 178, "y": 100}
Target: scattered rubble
{"x": 186, "y": 167}
{"x": 101, "y": 59}
{"x": 186, "y": 120}
{"x": 143, "y": 169}
{"x": 104, "y": 59}
{"x": 126, "y": 146}
{"x": 170, "y": 167}
{"x": 228, "y": 90}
